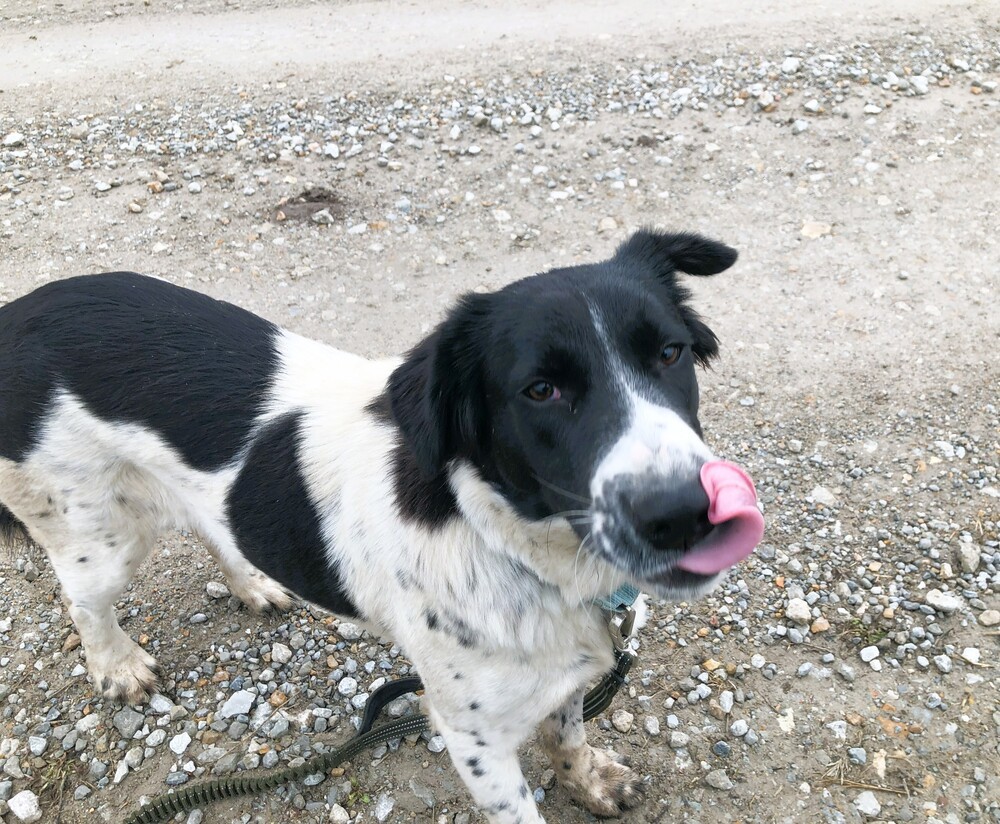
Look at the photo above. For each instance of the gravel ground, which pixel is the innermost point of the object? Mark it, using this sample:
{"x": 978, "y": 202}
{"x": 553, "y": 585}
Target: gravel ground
{"x": 848, "y": 671}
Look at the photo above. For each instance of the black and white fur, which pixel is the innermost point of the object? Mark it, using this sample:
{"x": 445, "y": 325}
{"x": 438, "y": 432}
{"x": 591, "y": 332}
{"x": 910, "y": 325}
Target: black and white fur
{"x": 539, "y": 448}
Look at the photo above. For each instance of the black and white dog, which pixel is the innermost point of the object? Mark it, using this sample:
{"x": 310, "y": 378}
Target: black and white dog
{"x": 472, "y": 501}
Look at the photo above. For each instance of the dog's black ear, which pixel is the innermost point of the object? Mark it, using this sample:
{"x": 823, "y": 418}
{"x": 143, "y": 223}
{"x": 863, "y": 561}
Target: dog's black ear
{"x": 663, "y": 253}
{"x": 436, "y": 394}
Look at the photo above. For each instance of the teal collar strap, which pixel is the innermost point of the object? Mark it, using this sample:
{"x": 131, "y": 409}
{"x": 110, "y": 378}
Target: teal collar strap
{"x": 621, "y": 599}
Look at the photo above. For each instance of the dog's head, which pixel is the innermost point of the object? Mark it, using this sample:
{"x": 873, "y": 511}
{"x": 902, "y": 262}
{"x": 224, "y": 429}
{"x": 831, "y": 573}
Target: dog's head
{"x": 574, "y": 394}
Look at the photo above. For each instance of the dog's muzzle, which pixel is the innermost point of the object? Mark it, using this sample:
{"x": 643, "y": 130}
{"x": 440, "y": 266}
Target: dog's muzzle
{"x": 658, "y": 529}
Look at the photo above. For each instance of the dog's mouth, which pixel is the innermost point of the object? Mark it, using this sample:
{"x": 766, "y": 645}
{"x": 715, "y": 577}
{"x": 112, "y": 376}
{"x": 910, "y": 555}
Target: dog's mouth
{"x": 725, "y": 534}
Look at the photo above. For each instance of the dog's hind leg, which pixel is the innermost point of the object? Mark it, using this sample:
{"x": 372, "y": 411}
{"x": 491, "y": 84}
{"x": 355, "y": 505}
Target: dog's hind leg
{"x": 95, "y": 537}
{"x": 93, "y": 576}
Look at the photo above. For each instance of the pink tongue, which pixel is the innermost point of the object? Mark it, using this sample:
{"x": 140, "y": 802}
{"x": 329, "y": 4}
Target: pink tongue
{"x": 733, "y": 502}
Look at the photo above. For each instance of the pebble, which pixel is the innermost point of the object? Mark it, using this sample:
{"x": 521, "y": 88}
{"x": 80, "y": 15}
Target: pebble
{"x": 128, "y": 722}
{"x": 971, "y": 654}
{"x": 869, "y": 654}
{"x": 739, "y": 727}
{"x": 338, "y": 815}
{"x": 722, "y": 749}
{"x": 857, "y": 755}
{"x": 719, "y": 780}
{"x": 25, "y": 806}
{"x": 867, "y": 804}
{"x": 798, "y": 611}
{"x": 217, "y": 590}
{"x": 944, "y": 602}
{"x": 622, "y": 720}
{"x": 943, "y": 663}
{"x": 679, "y": 740}
{"x": 651, "y": 724}
{"x": 179, "y": 743}
{"x": 726, "y": 699}
{"x": 383, "y": 807}
{"x": 280, "y": 654}
{"x": 239, "y": 703}
{"x": 348, "y": 631}
{"x": 436, "y": 744}
{"x": 989, "y": 618}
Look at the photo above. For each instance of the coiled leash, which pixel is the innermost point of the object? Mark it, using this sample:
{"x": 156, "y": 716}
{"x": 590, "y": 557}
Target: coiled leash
{"x": 596, "y": 701}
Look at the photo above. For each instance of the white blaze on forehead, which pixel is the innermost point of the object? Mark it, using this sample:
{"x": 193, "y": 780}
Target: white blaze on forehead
{"x": 654, "y": 439}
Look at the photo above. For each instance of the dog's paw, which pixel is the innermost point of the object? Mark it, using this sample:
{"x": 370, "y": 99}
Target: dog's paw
{"x": 606, "y": 786}
{"x": 261, "y": 593}
{"x": 129, "y": 678}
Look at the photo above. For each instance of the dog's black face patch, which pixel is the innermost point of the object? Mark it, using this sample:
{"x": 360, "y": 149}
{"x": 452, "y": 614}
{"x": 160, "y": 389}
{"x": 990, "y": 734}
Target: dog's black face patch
{"x": 542, "y": 384}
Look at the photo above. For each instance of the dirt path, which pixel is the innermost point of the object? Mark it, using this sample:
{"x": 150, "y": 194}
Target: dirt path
{"x": 847, "y": 150}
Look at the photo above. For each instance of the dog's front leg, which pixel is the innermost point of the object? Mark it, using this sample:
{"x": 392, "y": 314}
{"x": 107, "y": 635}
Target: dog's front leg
{"x": 487, "y": 760}
{"x": 597, "y": 779}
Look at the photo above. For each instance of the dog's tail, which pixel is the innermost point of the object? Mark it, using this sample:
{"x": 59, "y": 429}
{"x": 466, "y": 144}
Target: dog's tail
{"x": 12, "y": 531}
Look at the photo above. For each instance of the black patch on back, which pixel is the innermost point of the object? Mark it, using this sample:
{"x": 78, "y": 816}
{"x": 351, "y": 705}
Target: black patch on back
{"x": 275, "y": 521}
{"x": 139, "y": 350}
{"x": 428, "y": 502}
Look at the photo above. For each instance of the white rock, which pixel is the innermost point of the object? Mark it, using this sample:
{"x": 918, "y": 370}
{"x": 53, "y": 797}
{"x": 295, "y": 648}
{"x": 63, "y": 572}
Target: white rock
{"x": 216, "y": 589}
{"x": 652, "y": 725}
{"x": 990, "y": 618}
{"x": 338, "y": 815}
{"x": 11, "y": 140}
{"x": 739, "y": 727}
{"x": 239, "y": 703}
{"x": 726, "y": 701}
{"x": 822, "y": 495}
{"x": 867, "y": 804}
{"x": 179, "y": 743}
{"x": 944, "y": 602}
{"x": 791, "y": 65}
{"x": 348, "y": 686}
{"x": 869, "y": 654}
{"x": 968, "y": 556}
{"x": 280, "y": 654}
{"x": 920, "y": 84}
{"x": 798, "y": 611}
{"x": 25, "y": 806}
{"x": 622, "y": 720}
{"x": 348, "y": 631}
{"x": 383, "y": 807}
{"x": 971, "y": 654}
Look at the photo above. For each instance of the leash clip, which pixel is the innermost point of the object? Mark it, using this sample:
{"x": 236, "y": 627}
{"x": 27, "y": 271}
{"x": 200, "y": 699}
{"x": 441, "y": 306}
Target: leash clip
{"x": 622, "y": 629}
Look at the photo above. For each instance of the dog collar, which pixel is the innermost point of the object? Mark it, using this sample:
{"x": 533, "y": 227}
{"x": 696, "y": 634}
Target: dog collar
{"x": 620, "y": 611}
{"x": 619, "y": 600}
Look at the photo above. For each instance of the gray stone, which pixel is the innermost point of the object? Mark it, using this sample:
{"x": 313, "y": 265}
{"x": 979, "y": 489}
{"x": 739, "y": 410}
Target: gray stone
{"x": 128, "y": 722}
{"x": 867, "y": 804}
{"x": 719, "y": 780}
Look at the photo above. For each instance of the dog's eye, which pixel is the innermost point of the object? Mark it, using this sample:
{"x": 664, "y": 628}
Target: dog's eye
{"x": 671, "y": 354}
{"x": 542, "y": 391}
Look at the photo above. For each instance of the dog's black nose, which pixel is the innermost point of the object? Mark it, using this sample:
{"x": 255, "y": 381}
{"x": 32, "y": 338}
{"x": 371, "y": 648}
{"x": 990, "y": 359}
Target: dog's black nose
{"x": 671, "y": 516}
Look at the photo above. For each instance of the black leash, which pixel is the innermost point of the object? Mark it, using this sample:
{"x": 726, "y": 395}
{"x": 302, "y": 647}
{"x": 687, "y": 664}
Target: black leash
{"x": 165, "y": 806}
